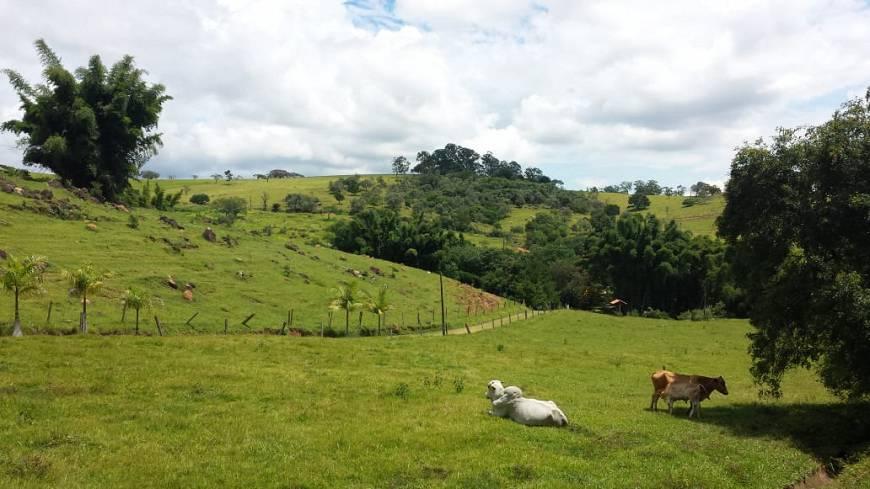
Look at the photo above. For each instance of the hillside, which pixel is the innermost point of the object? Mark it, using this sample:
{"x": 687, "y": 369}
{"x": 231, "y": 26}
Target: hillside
{"x": 268, "y": 264}
{"x": 251, "y": 411}
{"x": 699, "y": 218}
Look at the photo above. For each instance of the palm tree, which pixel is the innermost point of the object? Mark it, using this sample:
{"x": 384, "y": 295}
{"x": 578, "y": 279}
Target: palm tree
{"x": 379, "y": 304}
{"x": 345, "y": 298}
{"x": 21, "y": 277}
{"x": 83, "y": 281}
{"x": 136, "y": 299}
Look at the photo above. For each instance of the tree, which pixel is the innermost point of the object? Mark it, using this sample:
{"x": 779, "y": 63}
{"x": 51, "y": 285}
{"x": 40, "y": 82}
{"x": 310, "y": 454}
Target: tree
{"x": 94, "y": 128}
{"x": 379, "y": 304}
{"x": 228, "y": 175}
{"x": 21, "y": 276}
{"x": 230, "y": 207}
{"x": 346, "y": 298}
{"x": 216, "y": 177}
{"x": 301, "y": 203}
{"x": 136, "y": 299}
{"x": 797, "y": 213}
{"x": 638, "y": 201}
{"x": 401, "y": 165}
{"x": 149, "y": 175}
{"x": 83, "y": 281}
{"x": 264, "y": 199}
{"x": 704, "y": 190}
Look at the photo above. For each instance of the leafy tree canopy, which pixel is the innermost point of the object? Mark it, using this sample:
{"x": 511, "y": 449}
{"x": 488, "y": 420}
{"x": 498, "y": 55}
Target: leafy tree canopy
{"x": 797, "y": 214}
{"x": 95, "y": 127}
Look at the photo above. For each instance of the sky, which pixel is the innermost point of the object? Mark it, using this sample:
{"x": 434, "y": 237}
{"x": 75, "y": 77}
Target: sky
{"x": 590, "y": 92}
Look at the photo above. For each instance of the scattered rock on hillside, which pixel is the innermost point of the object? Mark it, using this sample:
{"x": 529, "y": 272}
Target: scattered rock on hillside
{"x": 187, "y": 295}
{"x": 209, "y": 235}
{"x": 189, "y": 285}
{"x": 91, "y": 226}
{"x": 170, "y": 222}
{"x": 171, "y": 282}
{"x": 7, "y": 187}
{"x": 291, "y": 246}
{"x": 18, "y": 190}
{"x": 3, "y": 255}
{"x": 376, "y": 271}
{"x": 121, "y": 207}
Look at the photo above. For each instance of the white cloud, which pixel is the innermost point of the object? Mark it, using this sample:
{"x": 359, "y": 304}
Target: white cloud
{"x": 589, "y": 91}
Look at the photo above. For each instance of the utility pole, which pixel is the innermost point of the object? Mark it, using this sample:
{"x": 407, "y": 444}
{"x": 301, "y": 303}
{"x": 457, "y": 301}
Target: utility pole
{"x": 443, "y": 322}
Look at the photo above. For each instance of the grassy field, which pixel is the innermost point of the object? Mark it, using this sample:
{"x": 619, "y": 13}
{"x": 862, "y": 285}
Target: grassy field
{"x": 280, "y": 262}
{"x": 699, "y": 218}
{"x": 267, "y": 411}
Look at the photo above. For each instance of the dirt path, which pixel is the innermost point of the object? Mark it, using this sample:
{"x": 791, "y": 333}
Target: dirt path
{"x": 490, "y": 324}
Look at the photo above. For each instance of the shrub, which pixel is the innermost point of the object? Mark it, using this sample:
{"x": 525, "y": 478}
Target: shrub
{"x": 230, "y": 208}
{"x": 133, "y": 222}
{"x": 199, "y": 199}
{"x": 301, "y": 203}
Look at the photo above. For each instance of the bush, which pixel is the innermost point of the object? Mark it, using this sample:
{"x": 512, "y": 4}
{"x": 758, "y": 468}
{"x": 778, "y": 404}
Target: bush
{"x": 199, "y": 199}
{"x": 656, "y": 314}
{"x": 230, "y": 208}
{"x": 133, "y": 222}
{"x": 301, "y": 203}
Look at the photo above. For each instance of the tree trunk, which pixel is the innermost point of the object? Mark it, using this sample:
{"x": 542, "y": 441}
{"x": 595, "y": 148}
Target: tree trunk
{"x": 16, "y": 331}
{"x": 83, "y": 321}
{"x": 379, "y": 324}
{"x": 385, "y": 319}
{"x": 347, "y": 322}
{"x": 137, "y": 322}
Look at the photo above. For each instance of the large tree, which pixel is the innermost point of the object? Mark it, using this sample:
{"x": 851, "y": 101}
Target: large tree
{"x": 797, "y": 214}
{"x": 94, "y": 127}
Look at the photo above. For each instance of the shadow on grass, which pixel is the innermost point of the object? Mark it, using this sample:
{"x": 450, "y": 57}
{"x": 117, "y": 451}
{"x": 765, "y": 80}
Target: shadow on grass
{"x": 829, "y": 432}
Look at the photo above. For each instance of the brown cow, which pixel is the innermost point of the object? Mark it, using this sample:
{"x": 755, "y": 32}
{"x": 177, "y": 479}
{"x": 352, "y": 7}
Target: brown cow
{"x": 662, "y": 378}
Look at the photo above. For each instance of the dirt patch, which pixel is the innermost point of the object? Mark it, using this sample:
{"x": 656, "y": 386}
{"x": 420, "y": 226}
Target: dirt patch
{"x": 475, "y": 301}
{"x": 819, "y": 478}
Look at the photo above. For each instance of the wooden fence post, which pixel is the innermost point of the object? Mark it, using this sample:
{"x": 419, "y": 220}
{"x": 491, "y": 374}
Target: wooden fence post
{"x": 48, "y": 319}
{"x": 157, "y": 322}
{"x": 226, "y": 324}
{"x": 124, "y": 312}
{"x": 467, "y": 329}
{"x": 493, "y": 323}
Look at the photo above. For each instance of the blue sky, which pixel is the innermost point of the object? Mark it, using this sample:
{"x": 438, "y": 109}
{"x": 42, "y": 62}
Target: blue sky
{"x": 591, "y": 92}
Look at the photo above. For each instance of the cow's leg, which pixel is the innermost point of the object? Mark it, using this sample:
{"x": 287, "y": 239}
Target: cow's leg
{"x": 654, "y": 403}
{"x": 670, "y": 406}
{"x": 698, "y": 409}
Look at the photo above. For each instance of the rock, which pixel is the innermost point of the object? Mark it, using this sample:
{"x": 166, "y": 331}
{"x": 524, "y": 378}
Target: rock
{"x": 209, "y": 235}
{"x": 55, "y": 183}
{"x": 171, "y": 282}
{"x": 122, "y": 208}
{"x": 3, "y": 255}
{"x": 189, "y": 285}
{"x": 6, "y": 187}
{"x": 46, "y": 194}
{"x": 376, "y": 271}
{"x": 18, "y": 190}
{"x": 91, "y": 226}
{"x": 170, "y": 222}
{"x": 187, "y": 295}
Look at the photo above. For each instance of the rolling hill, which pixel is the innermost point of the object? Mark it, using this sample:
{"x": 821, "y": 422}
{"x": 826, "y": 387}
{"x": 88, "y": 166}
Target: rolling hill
{"x": 266, "y": 264}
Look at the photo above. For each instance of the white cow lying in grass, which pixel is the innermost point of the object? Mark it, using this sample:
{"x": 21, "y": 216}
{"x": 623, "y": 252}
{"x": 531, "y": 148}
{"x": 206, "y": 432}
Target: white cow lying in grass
{"x": 530, "y": 412}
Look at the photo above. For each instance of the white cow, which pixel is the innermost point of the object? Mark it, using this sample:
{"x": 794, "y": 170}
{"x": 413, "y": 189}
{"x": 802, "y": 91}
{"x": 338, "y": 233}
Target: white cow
{"x": 530, "y": 412}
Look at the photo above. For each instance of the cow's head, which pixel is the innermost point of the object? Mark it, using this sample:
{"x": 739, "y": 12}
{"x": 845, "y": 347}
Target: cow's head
{"x": 494, "y": 389}
{"x": 510, "y": 395}
{"x": 720, "y": 385}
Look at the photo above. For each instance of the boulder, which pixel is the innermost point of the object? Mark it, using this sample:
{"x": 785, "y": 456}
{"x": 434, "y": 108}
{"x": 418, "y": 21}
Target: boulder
{"x": 91, "y": 226}
{"x": 209, "y": 235}
{"x": 18, "y": 190}
{"x": 3, "y": 255}
{"x": 171, "y": 282}
{"x": 187, "y": 295}
{"x": 122, "y": 208}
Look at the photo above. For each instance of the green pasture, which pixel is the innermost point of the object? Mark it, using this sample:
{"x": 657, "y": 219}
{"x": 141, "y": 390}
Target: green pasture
{"x": 408, "y": 411}
{"x": 266, "y": 275}
{"x": 699, "y": 218}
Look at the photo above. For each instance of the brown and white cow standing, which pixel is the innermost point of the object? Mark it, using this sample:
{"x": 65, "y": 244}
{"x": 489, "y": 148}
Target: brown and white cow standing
{"x": 661, "y": 379}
